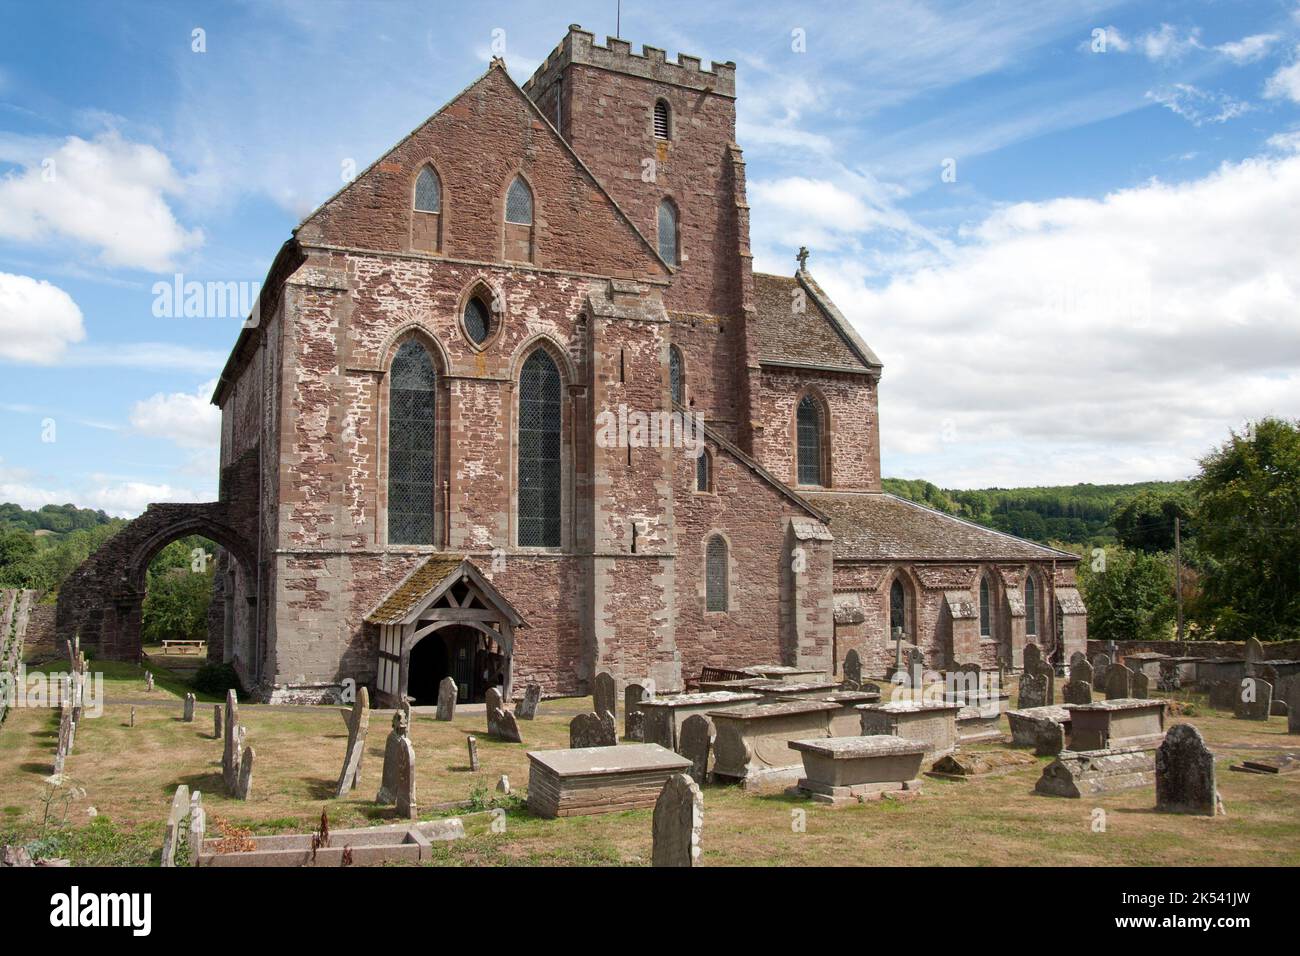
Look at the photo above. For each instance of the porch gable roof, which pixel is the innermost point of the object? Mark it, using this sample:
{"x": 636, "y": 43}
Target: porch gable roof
{"x": 429, "y": 581}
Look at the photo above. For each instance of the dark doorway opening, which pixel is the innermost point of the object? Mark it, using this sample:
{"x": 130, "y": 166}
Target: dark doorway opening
{"x": 426, "y": 669}
{"x": 461, "y": 653}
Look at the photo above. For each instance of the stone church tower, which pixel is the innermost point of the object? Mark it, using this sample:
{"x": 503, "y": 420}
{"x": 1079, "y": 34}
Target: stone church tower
{"x": 514, "y": 406}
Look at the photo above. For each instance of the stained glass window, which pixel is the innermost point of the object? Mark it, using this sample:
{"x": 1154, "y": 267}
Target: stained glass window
{"x": 668, "y": 232}
{"x": 410, "y": 446}
{"x": 519, "y": 203}
{"x": 428, "y": 194}
{"x": 897, "y": 608}
{"x": 539, "y": 494}
{"x": 478, "y": 321}
{"x": 675, "y": 373}
{"x": 715, "y": 574}
{"x": 702, "y": 468}
{"x": 986, "y": 624}
{"x": 1031, "y": 607}
{"x": 810, "y": 442}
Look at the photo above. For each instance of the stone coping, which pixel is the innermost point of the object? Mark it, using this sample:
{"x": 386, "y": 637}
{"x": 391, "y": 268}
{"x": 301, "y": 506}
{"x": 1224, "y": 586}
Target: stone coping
{"x": 1146, "y": 656}
{"x": 843, "y": 697}
{"x": 699, "y": 700}
{"x": 780, "y": 670}
{"x": 909, "y": 706}
{"x": 852, "y": 748}
{"x": 598, "y": 761}
{"x": 795, "y": 687}
{"x": 1057, "y": 712}
{"x": 780, "y": 708}
{"x": 1120, "y": 704}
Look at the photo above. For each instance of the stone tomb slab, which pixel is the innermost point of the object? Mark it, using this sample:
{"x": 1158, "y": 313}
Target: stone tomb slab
{"x": 1079, "y": 774}
{"x": 751, "y": 744}
{"x": 808, "y": 689}
{"x": 785, "y": 672}
{"x": 664, "y": 715}
{"x": 935, "y": 723}
{"x": 845, "y": 722}
{"x": 977, "y": 724}
{"x": 1117, "y": 724}
{"x": 988, "y": 763}
{"x": 369, "y": 846}
{"x": 844, "y": 770}
{"x": 590, "y": 780}
{"x": 1275, "y": 763}
{"x": 1026, "y": 725}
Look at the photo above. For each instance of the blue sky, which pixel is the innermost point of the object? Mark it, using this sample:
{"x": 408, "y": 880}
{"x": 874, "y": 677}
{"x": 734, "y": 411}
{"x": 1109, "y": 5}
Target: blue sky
{"x": 1077, "y": 264}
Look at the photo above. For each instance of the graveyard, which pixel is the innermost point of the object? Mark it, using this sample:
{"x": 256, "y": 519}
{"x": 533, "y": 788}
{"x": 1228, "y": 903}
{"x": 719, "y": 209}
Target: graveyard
{"x": 111, "y": 804}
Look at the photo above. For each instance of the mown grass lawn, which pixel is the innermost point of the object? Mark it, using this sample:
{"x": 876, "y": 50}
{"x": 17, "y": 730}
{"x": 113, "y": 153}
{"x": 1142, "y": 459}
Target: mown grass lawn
{"x": 128, "y": 775}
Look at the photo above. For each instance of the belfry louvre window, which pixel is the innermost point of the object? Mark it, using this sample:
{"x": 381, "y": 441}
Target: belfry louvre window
{"x": 661, "y": 120}
{"x": 715, "y": 574}
{"x": 809, "y": 428}
{"x": 539, "y": 486}
{"x": 411, "y": 446}
{"x": 668, "y": 232}
{"x": 1031, "y": 607}
{"x": 675, "y": 373}
{"x": 519, "y": 203}
{"x": 986, "y": 617}
{"x": 478, "y": 321}
{"x": 428, "y": 193}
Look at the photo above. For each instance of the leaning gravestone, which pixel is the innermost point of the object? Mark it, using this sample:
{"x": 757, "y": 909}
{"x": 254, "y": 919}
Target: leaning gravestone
{"x": 232, "y": 750}
{"x": 501, "y": 722}
{"x": 1185, "y": 780}
{"x": 527, "y": 708}
{"x": 1119, "y": 682}
{"x": 852, "y": 670}
{"x": 677, "y": 823}
{"x": 244, "y": 786}
{"x": 604, "y": 693}
{"x": 1254, "y": 700}
{"x": 446, "y": 699}
{"x": 693, "y": 743}
{"x": 590, "y": 730}
{"x": 187, "y": 713}
{"x": 1076, "y": 692}
{"x": 397, "y": 785}
{"x": 634, "y": 726}
{"x": 358, "y": 727}
{"x": 1033, "y": 691}
{"x": 1140, "y": 687}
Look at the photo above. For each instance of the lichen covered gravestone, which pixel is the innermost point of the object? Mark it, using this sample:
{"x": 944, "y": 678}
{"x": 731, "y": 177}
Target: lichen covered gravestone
{"x": 1254, "y": 700}
{"x": 446, "y": 699}
{"x": 604, "y": 694}
{"x": 358, "y": 727}
{"x": 187, "y": 712}
{"x": 1293, "y": 708}
{"x": 501, "y": 722}
{"x": 1141, "y": 686}
{"x": 527, "y": 709}
{"x": 633, "y": 717}
{"x": 693, "y": 743}
{"x": 590, "y": 730}
{"x": 397, "y": 785}
{"x": 244, "y": 786}
{"x": 852, "y": 670}
{"x": 1076, "y": 692}
{"x": 1185, "y": 781}
{"x": 1033, "y": 690}
{"x": 678, "y": 822}
{"x": 1099, "y": 665}
{"x": 1119, "y": 682}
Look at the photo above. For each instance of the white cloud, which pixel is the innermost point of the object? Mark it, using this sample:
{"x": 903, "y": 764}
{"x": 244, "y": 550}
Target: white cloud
{"x": 1199, "y": 106}
{"x": 107, "y": 193}
{"x": 1285, "y": 83}
{"x": 37, "y": 320}
{"x": 1107, "y": 339}
{"x": 1248, "y": 49}
{"x": 1167, "y": 44}
{"x": 18, "y": 485}
{"x": 189, "y": 420}
{"x": 147, "y": 355}
{"x": 126, "y": 499}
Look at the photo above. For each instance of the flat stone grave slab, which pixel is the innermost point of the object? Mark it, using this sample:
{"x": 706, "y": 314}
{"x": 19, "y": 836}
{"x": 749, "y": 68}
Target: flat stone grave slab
{"x": 664, "y": 715}
{"x": 1026, "y": 725}
{"x": 965, "y": 765}
{"x": 785, "y": 672}
{"x": 368, "y": 846}
{"x": 844, "y": 770}
{"x": 589, "y": 780}
{"x": 935, "y": 723}
{"x": 813, "y": 689}
{"x": 1274, "y": 763}
{"x": 1116, "y": 724}
{"x": 1079, "y": 774}
{"x": 845, "y": 722}
{"x": 751, "y": 744}
{"x": 738, "y": 685}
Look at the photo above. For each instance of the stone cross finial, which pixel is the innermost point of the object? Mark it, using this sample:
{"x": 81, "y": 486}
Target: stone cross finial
{"x": 802, "y": 256}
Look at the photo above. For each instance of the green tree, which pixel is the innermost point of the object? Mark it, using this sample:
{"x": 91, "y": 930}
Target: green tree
{"x": 176, "y": 605}
{"x": 1247, "y": 516}
{"x": 1145, "y": 522}
{"x": 1129, "y": 596}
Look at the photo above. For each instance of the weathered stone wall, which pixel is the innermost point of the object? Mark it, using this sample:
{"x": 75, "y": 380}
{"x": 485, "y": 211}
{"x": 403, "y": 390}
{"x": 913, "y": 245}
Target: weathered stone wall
{"x": 852, "y": 430}
{"x": 1275, "y": 650}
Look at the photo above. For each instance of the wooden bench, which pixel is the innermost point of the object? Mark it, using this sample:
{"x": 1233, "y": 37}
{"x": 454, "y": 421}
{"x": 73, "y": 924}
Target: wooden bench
{"x": 184, "y": 647}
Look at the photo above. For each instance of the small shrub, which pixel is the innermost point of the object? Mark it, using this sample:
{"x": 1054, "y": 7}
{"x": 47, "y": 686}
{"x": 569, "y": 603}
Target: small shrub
{"x": 216, "y": 679}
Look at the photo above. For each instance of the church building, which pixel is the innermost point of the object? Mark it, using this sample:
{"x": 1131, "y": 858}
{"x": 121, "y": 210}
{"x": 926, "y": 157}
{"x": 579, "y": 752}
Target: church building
{"x": 419, "y": 477}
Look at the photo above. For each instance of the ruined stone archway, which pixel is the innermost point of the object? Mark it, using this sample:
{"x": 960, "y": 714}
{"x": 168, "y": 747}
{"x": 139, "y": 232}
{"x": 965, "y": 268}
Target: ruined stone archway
{"x": 102, "y": 600}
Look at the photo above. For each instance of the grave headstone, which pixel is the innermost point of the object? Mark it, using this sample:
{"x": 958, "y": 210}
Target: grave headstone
{"x": 500, "y": 722}
{"x": 1223, "y": 694}
{"x": 1078, "y": 657}
{"x": 216, "y": 721}
{"x": 358, "y": 728}
{"x": 1254, "y": 651}
{"x": 1119, "y": 682}
{"x": 233, "y": 736}
{"x": 1170, "y": 678}
{"x": 244, "y": 787}
{"x": 604, "y": 694}
{"x": 1076, "y": 692}
{"x": 446, "y": 699}
{"x": 1049, "y": 738}
{"x": 1293, "y": 709}
{"x": 180, "y": 809}
{"x": 1033, "y": 691}
{"x": 1099, "y": 665}
{"x": 1081, "y": 670}
{"x": 633, "y": 726}
{"x": 1140, "y": 687}
{"x": 590, "y": 730}
{"x": 503, "y": 785}
{"x": 133, "y": 719}
{"x": 148, "y": 682}
{"x": 693, "y": 742}
{"x": 1033, "y": 657}
{"x": 472, "y": 743}
{"x": 852, "y": 670}
{"x": 678, "y": 822}
{"x": 1185, "y": 781}
{"x": 527, "y": 709}
{"x": 187, "y": 711}
{"x": 1254, "y": 699}
{"x": 394, "y": 758}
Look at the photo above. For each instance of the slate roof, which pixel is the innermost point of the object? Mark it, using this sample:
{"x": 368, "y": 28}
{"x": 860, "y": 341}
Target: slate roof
{"x": 882, "y": 527}
{"x": 819, "y": 336}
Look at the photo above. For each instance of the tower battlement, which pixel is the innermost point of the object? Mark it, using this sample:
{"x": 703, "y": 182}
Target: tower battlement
{"x": 579, "y": 47}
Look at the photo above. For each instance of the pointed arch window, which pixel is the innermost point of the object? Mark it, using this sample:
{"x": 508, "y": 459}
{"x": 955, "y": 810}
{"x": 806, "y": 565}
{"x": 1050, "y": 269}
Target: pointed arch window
{"x": 519, "y": 233}
{"x": 715, "y": 574}
{"x": 986, "y": 610}
{"x": 663, "y": 119}
{"x": 426, "y": 222}
{"x": 519, "y": 203}
{"x": 668, "y": 232}
{"x": 539, "y": 492}
{"x": 809, "y": 438}
{"x": 428, "y": 191}
{"x": 478, "y": 320}
{"x": 411, "y": 405}
{"x": 1031, "y": 606}
{"x": 897, "y": 608}
{"x": 704, "y": 472}
{"x": 675, "y": 380}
